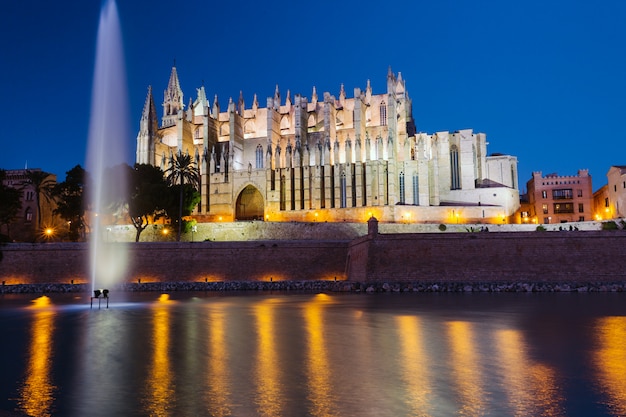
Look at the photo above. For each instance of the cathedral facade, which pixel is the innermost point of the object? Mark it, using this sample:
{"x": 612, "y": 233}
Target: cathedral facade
{"x": 328, "y": 158}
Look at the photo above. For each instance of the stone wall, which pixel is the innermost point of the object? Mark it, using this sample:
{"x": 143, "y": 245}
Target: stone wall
{"x": 490, "y": 257}
{"x": 185, "y": 261}
{"x": 444, "y": 257}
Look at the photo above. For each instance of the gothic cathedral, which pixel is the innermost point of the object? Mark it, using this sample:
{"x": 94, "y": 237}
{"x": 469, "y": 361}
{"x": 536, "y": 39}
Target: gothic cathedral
{"x": 328, "y": 159}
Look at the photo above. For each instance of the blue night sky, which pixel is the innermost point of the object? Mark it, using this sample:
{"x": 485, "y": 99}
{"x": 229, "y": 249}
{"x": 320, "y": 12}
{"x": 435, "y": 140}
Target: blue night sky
{"x": 546, "y": 81}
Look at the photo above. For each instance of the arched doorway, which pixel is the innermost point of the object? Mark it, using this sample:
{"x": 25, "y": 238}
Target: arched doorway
{"x": 249, "y": 204}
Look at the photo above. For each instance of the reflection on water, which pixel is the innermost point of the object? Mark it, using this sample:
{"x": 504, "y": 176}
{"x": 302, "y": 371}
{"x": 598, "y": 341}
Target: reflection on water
{"x": 466, "y": 368}
{"x": 610, "y": 360}
{"x": 414, "y": 364}
{"x": 159, "y": 391}
{"x": 317, "y": 355}
{"x": 37, "y": 392}
{"x": 531, "y": 387}
{"x": 218, "y": 378}
{"x": 269, "y": 388}
{"x": 321, "y": 393}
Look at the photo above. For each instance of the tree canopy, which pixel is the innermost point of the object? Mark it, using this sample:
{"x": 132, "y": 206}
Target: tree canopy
{"x": 148, "y": 196}
{"x": 70, "y": 203}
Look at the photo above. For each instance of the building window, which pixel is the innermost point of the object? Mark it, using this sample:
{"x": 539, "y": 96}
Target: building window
{"x": 581, "y": 208}
{"x": 28, "y": 215}
{"x": 259, "y": 157}
{"x": 416, "y": 190}
{"x": 383, "y": 114}
{"x": 546, "y": 220}
{"x": 401, "y": 187}
{"x": 342, "y": 181}
{"x": 282, "y": 191}
{"x": 615, "y": 188}
{"x": 624, "y": 184}
{"x": 581, "y": 218}
{"x": 544, "y": 194}
{"x": 455, "y": 183}
{"x": 606, "y": 202}
{"x": 544, "y": 207}
{"x": 580, "y": 193}
{"x": 30, "y": 195}
{"x": 561, "y": 208}
{"x": 562, "y": 194}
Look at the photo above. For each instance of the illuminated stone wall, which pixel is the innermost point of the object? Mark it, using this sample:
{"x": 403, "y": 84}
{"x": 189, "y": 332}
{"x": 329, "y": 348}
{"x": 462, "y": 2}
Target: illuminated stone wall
{"x": 491, "y": 257}
{"x": 444, "y": 257}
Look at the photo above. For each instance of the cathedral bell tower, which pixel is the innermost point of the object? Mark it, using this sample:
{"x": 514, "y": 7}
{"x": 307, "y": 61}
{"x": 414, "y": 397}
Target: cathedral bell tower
{"x": 172, "y": 101}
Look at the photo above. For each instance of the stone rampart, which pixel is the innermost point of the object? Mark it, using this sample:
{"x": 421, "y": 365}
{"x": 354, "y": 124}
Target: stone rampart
{"x": 490, "y": 257}
{"x": 184, "y": 261}
{"x": 443, "y": 257}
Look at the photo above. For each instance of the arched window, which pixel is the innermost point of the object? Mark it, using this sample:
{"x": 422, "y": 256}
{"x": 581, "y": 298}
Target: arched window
{"x": 383, "y": 114}
{"x": 401, "y": 187}
{"x": 28, "y": 215}
{"x": 416, "y": 190}
{"x": 455, "y": 180}
{"x": 259, "y": 157}
{"x": 343, "y": 189}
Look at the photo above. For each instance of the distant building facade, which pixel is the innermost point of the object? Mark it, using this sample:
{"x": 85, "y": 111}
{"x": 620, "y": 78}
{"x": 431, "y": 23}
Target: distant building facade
{"x": 616, "y": 188}
{"x": 328, "y": 159}
{"x": 25, "y": 227}
{"x": 560, "y": 199}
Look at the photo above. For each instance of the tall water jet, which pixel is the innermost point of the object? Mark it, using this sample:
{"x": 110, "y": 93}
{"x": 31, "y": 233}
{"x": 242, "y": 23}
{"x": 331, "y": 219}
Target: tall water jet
{"x": 108, "y": 139}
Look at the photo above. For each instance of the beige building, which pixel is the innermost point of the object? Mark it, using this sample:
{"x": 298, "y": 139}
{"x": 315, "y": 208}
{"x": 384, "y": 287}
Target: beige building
{"x": 26, "y": 226}
{"x": 559, "y": 199}
{"x": 615, "y": 206}
{"x": 328, "y": 158}
{"x": 610, "y": 199}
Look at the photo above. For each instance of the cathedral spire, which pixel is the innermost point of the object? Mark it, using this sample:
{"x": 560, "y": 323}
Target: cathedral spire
{"x": 148, "y": 130}
{"x": 173, "y": 99}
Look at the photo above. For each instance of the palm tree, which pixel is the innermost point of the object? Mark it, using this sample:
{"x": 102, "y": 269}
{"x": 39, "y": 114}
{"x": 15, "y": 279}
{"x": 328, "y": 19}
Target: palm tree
{"x": 43, "y": 185}
{"x": 182, "y": 169}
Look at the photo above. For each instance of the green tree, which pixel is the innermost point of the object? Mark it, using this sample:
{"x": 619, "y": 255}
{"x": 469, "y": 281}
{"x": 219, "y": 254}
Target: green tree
{"x": 182, "y": 170}
{"x": 43, "y": 185}
{"x": 147, "y": 200}
{"x": 10, "y": 204}
{"x": 70, "y": 201}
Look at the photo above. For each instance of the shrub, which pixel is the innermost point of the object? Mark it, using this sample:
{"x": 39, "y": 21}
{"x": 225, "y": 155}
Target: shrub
{"x": 610, "y": 225}
{"x": 442, "y": 227}
{"x": 541, "y": 228}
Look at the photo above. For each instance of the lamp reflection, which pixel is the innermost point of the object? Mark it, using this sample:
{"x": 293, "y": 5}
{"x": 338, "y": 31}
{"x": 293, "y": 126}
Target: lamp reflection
{"x": 320, "y": 390}
{"x": 218, "y": 376}
{"x": 466, "y": 368}
{"x": 160, "y": 391}
{"x": 610, "y": 361}
{"x": 414, "y": 362}
{"x": 269, "y": 398}
{"x": 37, "y": 392}
{"x": 531, "y": 387}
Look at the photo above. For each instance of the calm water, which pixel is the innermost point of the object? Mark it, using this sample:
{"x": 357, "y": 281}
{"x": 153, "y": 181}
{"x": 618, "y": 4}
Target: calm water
{"x": 315, "y": 355}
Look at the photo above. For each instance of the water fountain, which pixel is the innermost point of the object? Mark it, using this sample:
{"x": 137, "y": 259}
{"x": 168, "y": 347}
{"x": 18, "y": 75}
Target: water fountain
{"x": 108, "y": 139}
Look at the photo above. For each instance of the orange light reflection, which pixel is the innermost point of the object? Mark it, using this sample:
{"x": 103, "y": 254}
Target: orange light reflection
{"x": 466, "y": 370}
{"x": 321, "y": 393}
{"x": 37, "y": 392}
{"x": 414, "y": 362}
{"x": 531, "y": 387}
{"x": 610, "y": 361}
{"x": 269, "y": 398}
{"x": 218, "y": 378}
{"x": 160, "y": 391}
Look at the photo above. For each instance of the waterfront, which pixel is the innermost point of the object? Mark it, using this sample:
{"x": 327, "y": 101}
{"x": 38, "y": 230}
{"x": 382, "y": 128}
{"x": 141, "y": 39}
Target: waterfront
{"x": 277, "y": 354}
